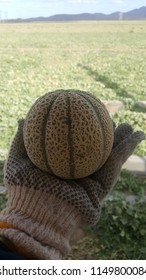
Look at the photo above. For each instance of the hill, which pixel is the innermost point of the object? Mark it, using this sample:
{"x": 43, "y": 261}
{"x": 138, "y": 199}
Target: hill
{"x": 136, "y": 14}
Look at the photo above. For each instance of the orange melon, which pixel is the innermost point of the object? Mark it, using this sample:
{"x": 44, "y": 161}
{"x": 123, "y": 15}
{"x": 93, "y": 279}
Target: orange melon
{"x": 68, "y": 133}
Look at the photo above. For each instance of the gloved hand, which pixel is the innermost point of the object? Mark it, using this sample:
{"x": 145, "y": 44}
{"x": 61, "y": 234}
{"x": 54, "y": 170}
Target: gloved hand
{"x": 43, "y": 211}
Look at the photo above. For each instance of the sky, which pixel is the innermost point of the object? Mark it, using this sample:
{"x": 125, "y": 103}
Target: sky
{"x": 12, "y": 9}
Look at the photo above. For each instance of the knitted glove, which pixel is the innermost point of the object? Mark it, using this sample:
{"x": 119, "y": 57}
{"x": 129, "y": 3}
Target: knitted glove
{"x": 44, "y": 211}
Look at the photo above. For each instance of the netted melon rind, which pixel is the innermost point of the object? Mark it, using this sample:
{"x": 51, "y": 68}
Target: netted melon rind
{"x": 68, "y": 133}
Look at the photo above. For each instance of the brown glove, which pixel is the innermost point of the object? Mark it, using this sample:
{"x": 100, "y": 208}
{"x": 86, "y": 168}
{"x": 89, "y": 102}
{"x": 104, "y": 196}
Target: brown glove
{"x": 43, "y": 211}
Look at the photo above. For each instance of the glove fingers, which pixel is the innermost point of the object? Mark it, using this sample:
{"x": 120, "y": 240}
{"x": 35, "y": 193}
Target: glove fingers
{"x": 122, "y": 132}
{"x": 108, "y": 174}
{"x": 126, "y": 147}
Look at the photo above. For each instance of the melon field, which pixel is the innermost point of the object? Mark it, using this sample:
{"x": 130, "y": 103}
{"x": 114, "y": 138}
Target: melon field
{"x": 107, "y": 59}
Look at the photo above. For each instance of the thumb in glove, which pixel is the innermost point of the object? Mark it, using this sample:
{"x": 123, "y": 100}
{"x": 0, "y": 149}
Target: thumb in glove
{"x": 125, "y": 141}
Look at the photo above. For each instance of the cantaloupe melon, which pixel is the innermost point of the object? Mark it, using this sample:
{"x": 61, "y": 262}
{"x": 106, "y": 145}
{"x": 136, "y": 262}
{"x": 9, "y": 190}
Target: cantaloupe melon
{"x": 68, "y": 133}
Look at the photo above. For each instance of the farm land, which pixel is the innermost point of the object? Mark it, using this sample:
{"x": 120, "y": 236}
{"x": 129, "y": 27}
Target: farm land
{"x": 106, "y": 58}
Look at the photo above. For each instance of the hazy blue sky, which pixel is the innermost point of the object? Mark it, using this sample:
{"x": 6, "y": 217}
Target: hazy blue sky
{"x": 33, "y": 8}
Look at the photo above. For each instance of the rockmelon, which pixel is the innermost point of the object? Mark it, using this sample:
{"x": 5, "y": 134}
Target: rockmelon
{"x": 68, "y": 133}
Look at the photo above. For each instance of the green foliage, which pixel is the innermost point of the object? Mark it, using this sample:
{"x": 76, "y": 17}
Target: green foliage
{"x": 137, "y": 120}
{"x": 128, "y": 183}
{"x": 122, "y": 229}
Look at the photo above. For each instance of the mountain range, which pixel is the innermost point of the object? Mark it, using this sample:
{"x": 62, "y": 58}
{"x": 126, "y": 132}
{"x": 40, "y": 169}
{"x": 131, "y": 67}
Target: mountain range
{"x": 136, "y": 14}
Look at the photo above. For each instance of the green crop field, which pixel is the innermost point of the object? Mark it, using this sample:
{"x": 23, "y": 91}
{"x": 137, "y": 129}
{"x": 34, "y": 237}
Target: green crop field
{"x": 107, "y": 59}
